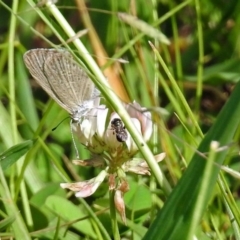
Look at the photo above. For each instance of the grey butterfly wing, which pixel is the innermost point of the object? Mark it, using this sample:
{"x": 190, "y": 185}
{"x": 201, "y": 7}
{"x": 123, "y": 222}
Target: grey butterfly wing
{"x": 60, "y": 76}
{"x": 34, "y": 61}
{"x": 68, "y": 80}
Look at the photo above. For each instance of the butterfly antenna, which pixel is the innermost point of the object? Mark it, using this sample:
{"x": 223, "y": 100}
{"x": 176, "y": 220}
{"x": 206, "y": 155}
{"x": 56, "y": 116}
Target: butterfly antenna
{"x": 59, "y": 124}
{"x": 74, "y": 143}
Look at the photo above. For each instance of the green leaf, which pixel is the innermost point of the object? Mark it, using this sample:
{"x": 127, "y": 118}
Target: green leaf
{"x": 11, "y": 155}
{"x": 139, "y": 198}
{"x": 177, "y": 215}
{"x": 69, "y": 212}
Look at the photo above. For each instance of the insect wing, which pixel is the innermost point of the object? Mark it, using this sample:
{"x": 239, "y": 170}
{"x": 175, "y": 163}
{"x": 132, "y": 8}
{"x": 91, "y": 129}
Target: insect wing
{"x": 34, "y": 61}
{"x": 60, "y": 76}
{"x": 70, "y": 83}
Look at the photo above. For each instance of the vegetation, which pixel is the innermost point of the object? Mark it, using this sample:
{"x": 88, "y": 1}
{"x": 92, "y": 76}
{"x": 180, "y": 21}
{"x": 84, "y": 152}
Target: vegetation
{"x": 180, "y": 61}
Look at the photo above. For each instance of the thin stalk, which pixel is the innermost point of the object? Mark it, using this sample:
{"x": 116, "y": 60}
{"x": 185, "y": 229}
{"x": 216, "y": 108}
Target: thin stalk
{"x": 230, "y": 203}
{"x": 113, "y": 216}
{"x": 13, "y": 117}
{"x": 200, "y": 58}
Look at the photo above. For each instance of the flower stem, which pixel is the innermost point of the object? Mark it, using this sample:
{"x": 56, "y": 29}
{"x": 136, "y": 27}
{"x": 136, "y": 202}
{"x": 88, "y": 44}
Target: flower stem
{"x": 113, "y": 216}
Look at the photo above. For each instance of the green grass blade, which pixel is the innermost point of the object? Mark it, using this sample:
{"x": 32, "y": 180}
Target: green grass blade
{"x": 6, "y": 222}
{"x": 19, "y": 227}
{"x": 176, "y": 217}
{"x": 14, "y": 153}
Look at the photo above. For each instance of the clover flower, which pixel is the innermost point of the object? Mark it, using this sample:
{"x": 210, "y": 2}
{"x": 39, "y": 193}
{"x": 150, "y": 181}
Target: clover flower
{"x": 104, "y": 134}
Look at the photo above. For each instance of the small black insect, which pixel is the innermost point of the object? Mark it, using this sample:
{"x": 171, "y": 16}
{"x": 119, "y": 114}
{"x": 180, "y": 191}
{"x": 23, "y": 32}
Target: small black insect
{"x": 119, "y": 129}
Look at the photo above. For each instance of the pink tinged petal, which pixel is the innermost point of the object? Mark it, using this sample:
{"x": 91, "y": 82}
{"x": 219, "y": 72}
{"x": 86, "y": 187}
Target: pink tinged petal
{"x": 135, "y": 167}
{"x": 136, "y": 111}
{"x": 111, "y": 182}
{"x": 83, "y": 189}
{"x": 133, "y": 109}
{"x": 146, "y": 123}
{"x": 140, "y": 166}
{"x": 124, "y": 187}
{"x": 120, "y": 205}
{"x": 86, "y": 188}
{"x": 158, "y": 159}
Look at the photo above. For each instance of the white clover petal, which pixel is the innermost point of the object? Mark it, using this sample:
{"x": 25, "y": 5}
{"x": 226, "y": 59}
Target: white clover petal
{"x": 86, "y": 128}
{"x": 101, "y": 120}
{"x": 147, "y": 126}
{"x": 77, "y": 130}
{"x": 132, "y": 146}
